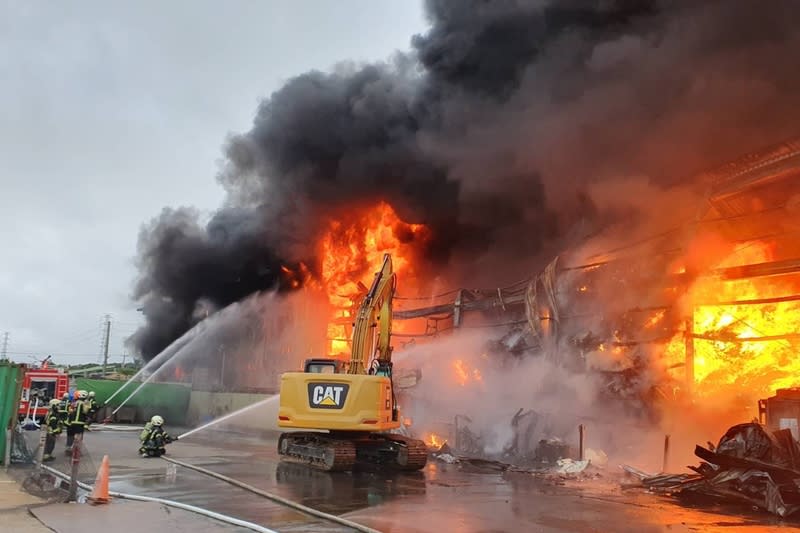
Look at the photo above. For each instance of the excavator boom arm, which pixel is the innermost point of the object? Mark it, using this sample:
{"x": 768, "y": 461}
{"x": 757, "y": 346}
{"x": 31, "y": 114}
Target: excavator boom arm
{"x": 374, "y": 319}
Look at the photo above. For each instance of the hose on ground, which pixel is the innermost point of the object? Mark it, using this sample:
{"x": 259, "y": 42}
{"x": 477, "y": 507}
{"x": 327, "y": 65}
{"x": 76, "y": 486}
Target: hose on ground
{"x": 278, "y": 499}
{"x": 170, "y": 503}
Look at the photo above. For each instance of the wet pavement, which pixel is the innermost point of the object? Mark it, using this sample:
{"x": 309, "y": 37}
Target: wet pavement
{"x": 127, "y": 517}
{"x": 440, "y": 498}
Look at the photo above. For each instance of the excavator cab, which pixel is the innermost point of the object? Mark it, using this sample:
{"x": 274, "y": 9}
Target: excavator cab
{"x": 323, "y": 366}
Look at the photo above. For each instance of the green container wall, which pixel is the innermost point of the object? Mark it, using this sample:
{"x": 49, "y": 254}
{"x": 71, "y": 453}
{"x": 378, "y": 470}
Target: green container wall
{"x": 10, "y": 391}
{"x": 205, "y": 406}
{"x": 170, "y": 400}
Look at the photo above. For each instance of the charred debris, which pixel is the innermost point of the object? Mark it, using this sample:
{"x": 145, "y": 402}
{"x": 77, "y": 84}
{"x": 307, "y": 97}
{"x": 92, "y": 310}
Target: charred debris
{"x": 750, "y": 465}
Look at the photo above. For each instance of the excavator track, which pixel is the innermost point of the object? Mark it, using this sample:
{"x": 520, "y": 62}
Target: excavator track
{"x": 336, "y": 452}
{"x": 412, "y": 455}
{"x": 317, "y": 450}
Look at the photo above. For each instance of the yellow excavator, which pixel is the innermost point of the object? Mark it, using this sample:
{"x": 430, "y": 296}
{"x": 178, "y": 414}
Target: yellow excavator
{"x": 353, "y": 403}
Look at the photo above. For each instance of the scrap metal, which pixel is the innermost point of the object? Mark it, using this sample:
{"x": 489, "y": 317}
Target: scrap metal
{"x": 749, "y": 465}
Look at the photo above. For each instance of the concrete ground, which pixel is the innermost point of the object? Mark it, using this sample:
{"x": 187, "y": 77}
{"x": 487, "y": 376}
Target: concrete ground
{"x": 440, "y": 498}
{"x": 126, "y": 516}
{"x": 21, "y": 512}
{"x": 14, "y": 508}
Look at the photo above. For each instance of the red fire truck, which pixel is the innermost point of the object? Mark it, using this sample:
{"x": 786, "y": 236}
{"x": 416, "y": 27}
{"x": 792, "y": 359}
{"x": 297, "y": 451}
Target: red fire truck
{"x": 41, "y": 384}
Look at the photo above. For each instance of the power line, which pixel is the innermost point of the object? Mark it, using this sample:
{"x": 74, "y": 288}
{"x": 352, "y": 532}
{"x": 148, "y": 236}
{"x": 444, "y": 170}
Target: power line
{"x": 80, "y": 340}
{"x": 56, "y": 354}
{"x": 82, "y": 334}
{"x": 70, "y": 340}
{"x": 75, "y": 343}
{"x": 75, "y": 339}
{"x": 639, "y": 242}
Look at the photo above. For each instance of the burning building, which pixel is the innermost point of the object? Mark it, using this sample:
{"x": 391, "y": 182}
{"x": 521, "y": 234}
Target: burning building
{"x": 720, "y": 291}
{"x": 702, "y": 314}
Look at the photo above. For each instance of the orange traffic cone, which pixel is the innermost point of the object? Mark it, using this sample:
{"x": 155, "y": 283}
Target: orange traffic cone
{"x": 100, "y": 489}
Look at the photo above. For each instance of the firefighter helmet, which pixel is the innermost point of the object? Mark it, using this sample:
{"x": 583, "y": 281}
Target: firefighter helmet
{"x": 55, "y": 402}
{"x": 82, "y": 394}
{"x": 91, "y": 394}
{"x": 65, "y": 396}
{"x": 157, "y": 421}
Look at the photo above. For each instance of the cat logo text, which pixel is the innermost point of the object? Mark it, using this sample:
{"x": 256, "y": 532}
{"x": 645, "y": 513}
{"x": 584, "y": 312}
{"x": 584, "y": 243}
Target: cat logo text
{"x": 327, "y": 395}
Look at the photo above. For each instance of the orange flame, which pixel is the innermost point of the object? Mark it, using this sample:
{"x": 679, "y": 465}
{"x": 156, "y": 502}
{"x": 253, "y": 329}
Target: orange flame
{"x": 464, "y": 374}
{"x": 352, "y": 251}
{"x": 655, "y": 319}
{"x": 302, "y": 276}
{"x": 725, "y": 364}
{"x": 434, "y": 441}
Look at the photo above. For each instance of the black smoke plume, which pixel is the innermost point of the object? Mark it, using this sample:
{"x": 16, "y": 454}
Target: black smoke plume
{"x": 490, "y": 130}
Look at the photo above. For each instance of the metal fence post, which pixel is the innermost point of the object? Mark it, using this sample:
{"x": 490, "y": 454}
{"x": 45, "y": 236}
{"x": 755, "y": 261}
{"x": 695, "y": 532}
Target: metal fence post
{"x": 76, "y": 461}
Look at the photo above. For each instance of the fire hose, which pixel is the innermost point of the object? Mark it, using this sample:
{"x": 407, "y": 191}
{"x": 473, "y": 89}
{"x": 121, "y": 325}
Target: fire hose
{"x": 277, "y": 499}
{"x": 170, "y": 503}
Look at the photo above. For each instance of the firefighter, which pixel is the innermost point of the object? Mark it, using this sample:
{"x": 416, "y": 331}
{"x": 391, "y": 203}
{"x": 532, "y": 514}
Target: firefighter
{"x": 153, "y": 438}
{"x": 53, "y": 424}
{"x": 93, "y": 407}
{"x": 78, "y": 418}
{"x": 63, "y": 408}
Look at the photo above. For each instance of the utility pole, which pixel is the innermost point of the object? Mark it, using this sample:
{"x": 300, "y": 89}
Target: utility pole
{"x": 106, "y": 340}
{"x": 4, "y": 353}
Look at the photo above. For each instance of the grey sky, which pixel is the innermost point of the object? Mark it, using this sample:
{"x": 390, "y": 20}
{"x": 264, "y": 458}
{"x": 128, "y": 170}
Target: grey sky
{"x": 110, "y": 111}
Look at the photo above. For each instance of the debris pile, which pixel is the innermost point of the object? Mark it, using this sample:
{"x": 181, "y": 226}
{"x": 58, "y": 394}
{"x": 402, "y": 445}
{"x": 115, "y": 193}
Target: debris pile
{"x": 569, "y": 466}
{"x": 549, "y": 451}
{"x": 444, "y": 454}
{"x": 555, "y": 465}
{"x": 750, "y": 465}
{"x": 551, "y": 459}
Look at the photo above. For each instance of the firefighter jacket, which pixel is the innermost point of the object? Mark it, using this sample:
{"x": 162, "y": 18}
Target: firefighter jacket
{"x": 63, "y": 410}
{"x": 53, "y": 421}
{"x": 93, "y": 406}
{"x": 155, "y": 434}
{"x": 78, "y": 414}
